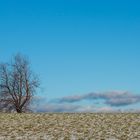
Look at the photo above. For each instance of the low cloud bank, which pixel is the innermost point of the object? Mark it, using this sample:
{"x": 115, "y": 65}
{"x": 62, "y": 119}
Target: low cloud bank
{"x": 69, "y": 108}
{"x": 112, "y": 102}
{"x": 114, "y": 98}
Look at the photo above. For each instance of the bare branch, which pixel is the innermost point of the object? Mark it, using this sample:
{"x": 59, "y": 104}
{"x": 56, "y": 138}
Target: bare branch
{"x": 17, "y": 83}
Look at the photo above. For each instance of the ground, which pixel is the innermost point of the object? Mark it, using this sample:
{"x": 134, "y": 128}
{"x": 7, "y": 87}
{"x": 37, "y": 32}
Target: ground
{"x": 70, "y": 126}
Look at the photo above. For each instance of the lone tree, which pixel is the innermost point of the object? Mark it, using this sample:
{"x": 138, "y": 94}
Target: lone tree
{"x": 17, "y": 84}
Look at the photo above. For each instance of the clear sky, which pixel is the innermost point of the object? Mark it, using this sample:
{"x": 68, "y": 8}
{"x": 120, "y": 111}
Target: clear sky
{"x": 76, "y": 46}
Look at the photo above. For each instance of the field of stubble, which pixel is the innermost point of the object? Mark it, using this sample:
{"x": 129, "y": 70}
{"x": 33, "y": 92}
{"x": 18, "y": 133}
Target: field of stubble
{"x": 70, "y": 126}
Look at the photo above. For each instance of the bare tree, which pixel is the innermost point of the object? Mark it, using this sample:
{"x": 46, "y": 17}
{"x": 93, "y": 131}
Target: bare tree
{"x": 17, "y": 84}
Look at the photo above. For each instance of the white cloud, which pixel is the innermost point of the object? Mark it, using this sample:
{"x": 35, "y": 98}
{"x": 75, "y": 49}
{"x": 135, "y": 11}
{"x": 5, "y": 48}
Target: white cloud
{"x": 114, "y": 98}
{"x": 113, "y": 102}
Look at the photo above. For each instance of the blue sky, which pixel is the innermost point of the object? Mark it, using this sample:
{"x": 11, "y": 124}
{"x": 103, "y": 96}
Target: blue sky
{"x": 77, "y": 46}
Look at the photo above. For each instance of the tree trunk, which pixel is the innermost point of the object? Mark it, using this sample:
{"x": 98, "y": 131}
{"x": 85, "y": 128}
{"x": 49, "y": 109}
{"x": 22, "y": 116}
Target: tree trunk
{"x": 19, "y": 110}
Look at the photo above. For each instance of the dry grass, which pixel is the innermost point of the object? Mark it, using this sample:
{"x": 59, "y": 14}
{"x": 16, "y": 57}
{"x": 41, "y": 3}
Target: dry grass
{"x": 70, "y": 126}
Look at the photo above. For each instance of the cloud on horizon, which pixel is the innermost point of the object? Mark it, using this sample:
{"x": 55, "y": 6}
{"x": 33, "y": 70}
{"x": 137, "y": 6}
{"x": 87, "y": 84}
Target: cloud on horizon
{"x": 114, "y": 98}
{"x": 112, "y": 102}
{"x": 70, "y": 108}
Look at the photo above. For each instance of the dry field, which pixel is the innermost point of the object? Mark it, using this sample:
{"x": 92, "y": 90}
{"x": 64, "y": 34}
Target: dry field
{"x": 70, "y": 126}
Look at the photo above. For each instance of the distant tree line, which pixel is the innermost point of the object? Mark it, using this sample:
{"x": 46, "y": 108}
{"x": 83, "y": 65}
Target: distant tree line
{"x": 18, "y": 85}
